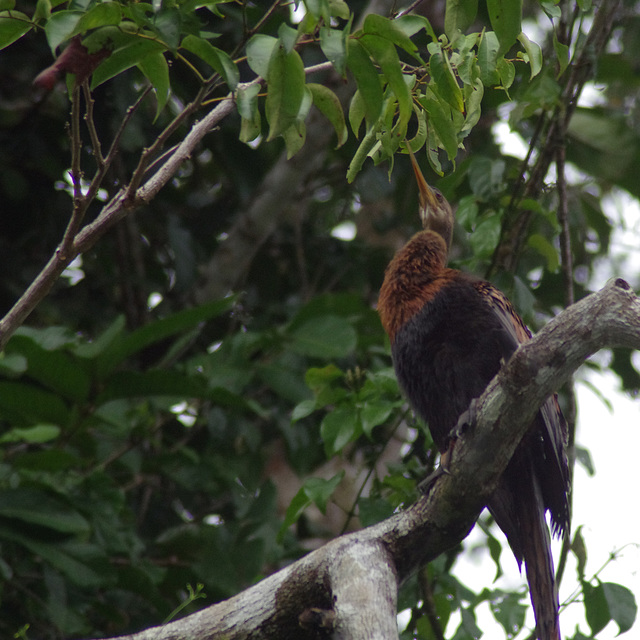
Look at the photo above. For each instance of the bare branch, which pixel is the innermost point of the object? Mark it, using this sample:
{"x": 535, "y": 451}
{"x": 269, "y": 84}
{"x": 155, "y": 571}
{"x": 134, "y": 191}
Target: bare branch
{"x": 350, "y": 583}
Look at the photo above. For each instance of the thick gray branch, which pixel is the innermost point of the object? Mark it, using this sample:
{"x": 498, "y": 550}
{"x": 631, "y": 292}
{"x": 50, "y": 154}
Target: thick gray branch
{"x": 348, "y": 587}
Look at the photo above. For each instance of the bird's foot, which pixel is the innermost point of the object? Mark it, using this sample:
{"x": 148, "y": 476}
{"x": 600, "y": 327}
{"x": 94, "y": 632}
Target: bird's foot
{"x": 466, "y": 420}
{"x": 425, "y": 485}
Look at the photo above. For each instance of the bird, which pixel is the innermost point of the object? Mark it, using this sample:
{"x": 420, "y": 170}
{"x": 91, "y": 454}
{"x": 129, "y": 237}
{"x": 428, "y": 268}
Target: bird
{"x": 450, "y": 333}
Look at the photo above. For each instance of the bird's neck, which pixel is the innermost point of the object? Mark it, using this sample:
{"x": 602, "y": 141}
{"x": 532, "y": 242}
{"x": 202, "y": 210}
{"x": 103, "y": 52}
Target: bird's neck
{"x": 410, "y": 279}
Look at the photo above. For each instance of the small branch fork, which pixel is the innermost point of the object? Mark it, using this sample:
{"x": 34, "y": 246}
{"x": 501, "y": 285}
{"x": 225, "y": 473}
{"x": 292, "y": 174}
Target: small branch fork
{"x": 348, "y": 588}
{"x": 140, "y": 190}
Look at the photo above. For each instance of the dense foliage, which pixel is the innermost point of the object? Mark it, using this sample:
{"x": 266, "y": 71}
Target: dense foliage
{"x": 209, "y": 376}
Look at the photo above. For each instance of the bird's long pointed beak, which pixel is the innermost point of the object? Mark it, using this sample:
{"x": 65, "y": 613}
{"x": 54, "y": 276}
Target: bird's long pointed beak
{"x": 428, "y": 200}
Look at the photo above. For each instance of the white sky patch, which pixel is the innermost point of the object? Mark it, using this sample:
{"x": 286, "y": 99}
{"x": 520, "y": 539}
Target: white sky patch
{"x": 345, "y": 231}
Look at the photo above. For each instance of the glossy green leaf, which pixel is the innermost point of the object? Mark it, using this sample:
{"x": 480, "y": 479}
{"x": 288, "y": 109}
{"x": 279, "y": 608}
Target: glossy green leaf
{"x": 375, "y": 413}
{"x": 534, "y": 54}
{"x": 13, "y": 26}
{"x": 488, "y": 58}
{"x": 285, "y": 91}
{"x": 247, "y": 102}
{"x": 328, "y": 103}
{"x": 260, "y": 48}
{"x": 440, "y": 122}
{"x": 156, "y": 70}
{"x": 506, "y": 72}
{"x": 294, "y": 138}
{"x": 287, "y": 37}
{"x": 214, "y": 57}
{"x": 596, "y": 607}
{"x": 388, "y": 29}
{"x": 444, "y": 78}
{"x": 361, "y": 154}
{"x": 506, "y": 17}
{"x": 100, "y": 15}
{"x": 339, "y": 427}
{"x": 168, "y": 25}
{"x": 60, "y": 27}
{"x": 333, "y": 43}
{"x": 367, "y": 80}
{"x": 320, "y": 490}
{"x": 385, "y": 54}
{"x": 459, "y": 16}
{"x": 125, "y": 57}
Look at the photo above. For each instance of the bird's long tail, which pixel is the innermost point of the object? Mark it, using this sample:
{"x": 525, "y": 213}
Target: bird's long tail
{"x": 536, "y": 549}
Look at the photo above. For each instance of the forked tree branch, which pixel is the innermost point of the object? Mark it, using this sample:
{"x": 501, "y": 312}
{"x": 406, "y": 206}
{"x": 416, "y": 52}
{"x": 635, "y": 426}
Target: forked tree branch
{"x": 348, "y": 587}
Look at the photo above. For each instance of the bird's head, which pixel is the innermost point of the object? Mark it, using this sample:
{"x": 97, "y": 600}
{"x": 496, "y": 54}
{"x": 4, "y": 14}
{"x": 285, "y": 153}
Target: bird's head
{"x": 435, "y": 212}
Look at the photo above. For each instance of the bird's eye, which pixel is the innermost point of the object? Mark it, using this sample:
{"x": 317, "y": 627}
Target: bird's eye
{"x": 439, "y": 196}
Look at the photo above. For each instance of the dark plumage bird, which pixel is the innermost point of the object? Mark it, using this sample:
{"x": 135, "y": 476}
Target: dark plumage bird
{"x": 450, "y": 334}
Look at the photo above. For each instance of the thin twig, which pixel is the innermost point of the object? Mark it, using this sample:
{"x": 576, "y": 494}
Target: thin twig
{"x": 91, "y": 125}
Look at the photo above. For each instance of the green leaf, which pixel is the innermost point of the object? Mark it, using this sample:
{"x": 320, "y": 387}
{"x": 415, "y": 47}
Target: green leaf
{"x": 339, "y": 428}
{"x": 374, "y": 413}
{"x": 167, "y": 24}
{"x": 385, "y": 54}
{"x": 622, "y": 605}
{"x": 485, "y": 237}
{"x": 545, "y": 249}
{"x": 506, "y": 18}
{"x": 61, "y": 27}
{"x": 367, "y": 81}
{"x": 33, "y": 435}
{"x": 294, "y": 138}
{"x": 100, "y": 15}
{"x": 562, "y": 52}
{"x": 488, "y": 59}
{"x": 285, "y": 91}
{"x": 260, "y": 48}
{"x": 444, "y": 78}
{"x": 506, "y": 72}
{"x": 215, "y": 58}
{"x": 156, "y": 70}
{"x": 13, "y": 25}
{"x": 27, "y": 404}
{"x": 12, "y": 364}
{"x": 440, "y": 121}
{"x": 389, "y": 30}
{"x": 287, "y": 37}
{"x": 333, "y": 43}
{"x": 596, "y": 607}
{"x": 247, "y": 102}
{"x": 579, "y": 549}
{"x": 320, "y": 490}
{"x": 329, "y": 105}
{"x": 534, "y": 54}
{"x": 303, "y": 409}
{"x": 41, "y": 508}
{"x": 324, "y": 337}
{"x": 125, "y": 57}
{"x": 459, "y": 16}
{"x": 318, "y": 377}
{"x": 153, "y": 332}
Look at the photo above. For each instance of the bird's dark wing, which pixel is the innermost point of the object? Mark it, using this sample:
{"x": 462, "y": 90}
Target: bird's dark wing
{"x": 552, "y": 467}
